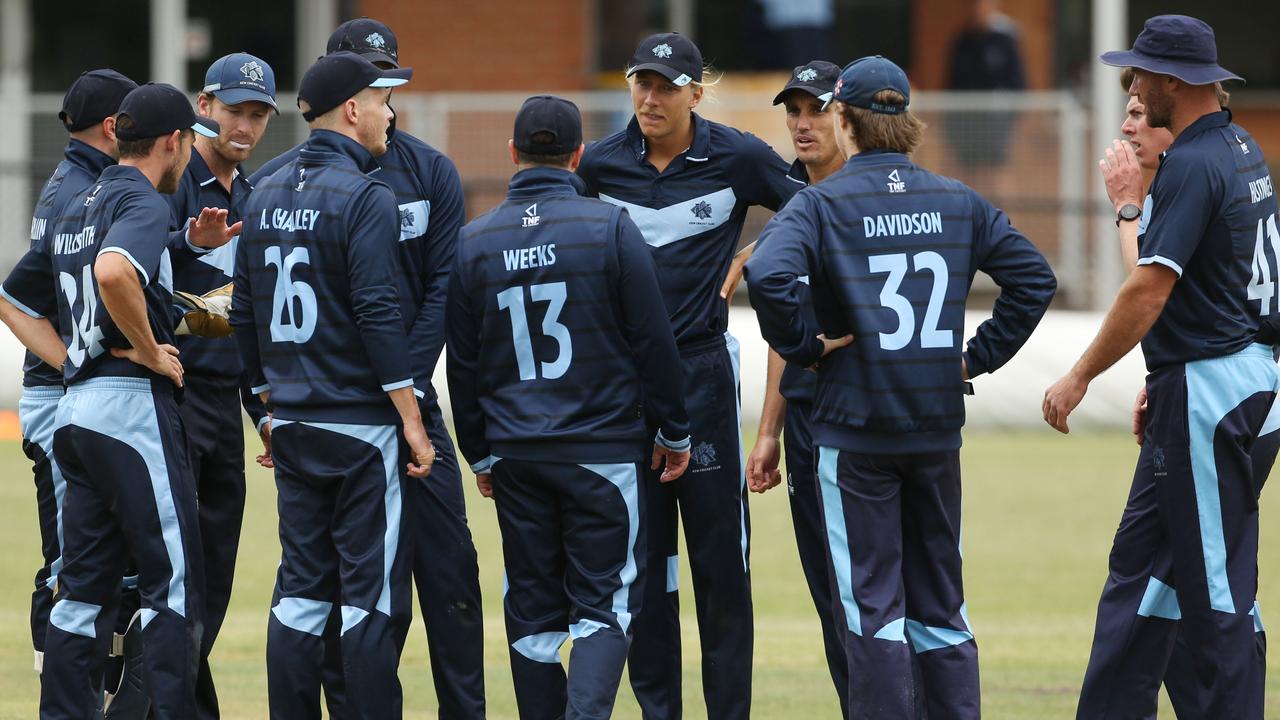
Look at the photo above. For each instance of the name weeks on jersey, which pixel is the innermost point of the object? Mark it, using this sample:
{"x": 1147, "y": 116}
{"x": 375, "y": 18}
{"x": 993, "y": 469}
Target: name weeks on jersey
{"x": 926, "y": 223}
{"x": 72, "y": 243}
{"x": 289, "y": 220}
{"x": 1260, "y": 189}
{"x": 525, "y": 258}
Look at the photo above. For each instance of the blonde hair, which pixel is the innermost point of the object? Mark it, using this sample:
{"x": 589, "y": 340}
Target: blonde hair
{"x": 880, "y": 131}
{"x": 710, "y": 79}
{"x": 1126, "y": 80}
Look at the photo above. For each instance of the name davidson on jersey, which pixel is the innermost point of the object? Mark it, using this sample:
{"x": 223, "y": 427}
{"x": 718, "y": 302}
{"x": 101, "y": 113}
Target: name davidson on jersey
{"x": 925, "y": 223}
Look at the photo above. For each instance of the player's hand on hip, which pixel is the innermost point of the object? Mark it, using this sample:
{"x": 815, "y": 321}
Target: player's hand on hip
{"x": 424, "y": 454}
{"x": 484, "y": 483}
{"x": 762, "y": 464}
{"x": 161, "y": 359}
{"x": 1061, "y": 398}
{"x": 1140, "y": 415}
{"x": 676, "y": 462}
{"x": 829, "y": 346}
{"x": 210, "y": 229}
{"x": 735, "y": 272}
{"x": 1122, "y": 175}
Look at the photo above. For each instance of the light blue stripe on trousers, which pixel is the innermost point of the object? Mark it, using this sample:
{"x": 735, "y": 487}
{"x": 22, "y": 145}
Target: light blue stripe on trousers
{"x": 38, "y": 417}
{"x": 838, "y": 535}
{"x": 1215, "y": 387}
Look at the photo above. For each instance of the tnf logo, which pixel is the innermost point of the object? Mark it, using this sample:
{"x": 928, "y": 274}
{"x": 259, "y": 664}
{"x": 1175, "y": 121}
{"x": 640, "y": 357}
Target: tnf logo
{"x": 530, "y": 218}
{"x": 896, "y": 185}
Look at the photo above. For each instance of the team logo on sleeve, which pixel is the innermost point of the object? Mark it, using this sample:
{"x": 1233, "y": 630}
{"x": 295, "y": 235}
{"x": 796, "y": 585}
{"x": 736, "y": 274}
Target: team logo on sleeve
{"x": 662, "y": 51}
{"x": 807, "y": 74}
{"x": 702, "y": 210}
{"x": 253, "y": 71}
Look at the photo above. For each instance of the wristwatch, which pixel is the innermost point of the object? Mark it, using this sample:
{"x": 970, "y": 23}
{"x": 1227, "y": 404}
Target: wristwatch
{"x": 1128, "y": 212}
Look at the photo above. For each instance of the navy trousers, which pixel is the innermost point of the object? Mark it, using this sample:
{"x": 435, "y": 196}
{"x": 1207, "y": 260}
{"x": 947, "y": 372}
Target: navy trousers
{"x": 710, "y": 500}
{"x": 571, "y": 536}
{"x": 893, "y": 534}
{"x": 1185, "y": 556}
{"x": 447, "y": 577}
{"x": 341, "y": 503}
{"x": 129, "y": 493}
{"x": 215, "y": 440}
{"x": 811, "y": 542}
{"x": 37, "y": 415}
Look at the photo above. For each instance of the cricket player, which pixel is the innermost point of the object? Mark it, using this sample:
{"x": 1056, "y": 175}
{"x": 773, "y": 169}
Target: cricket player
{"x": 789, "y": 389}
{"x": 429, "y": 214}
{"x": 687, "y": 183}
{"x": 119, "y": 439}
{"x": 1186, "y": 548}
{"x": 239, "y": 94}
{"x": 890, "y": 250}
{"x": 560, "y": 356}
{"x": 317, "y": 315}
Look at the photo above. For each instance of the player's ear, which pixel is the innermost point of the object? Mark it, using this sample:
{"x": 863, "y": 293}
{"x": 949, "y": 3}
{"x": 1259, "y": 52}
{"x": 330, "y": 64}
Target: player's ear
{"x": 515, "y": 156}
{"x": 351, "y": 108}
{"x": 577, "y": 158}
{"x": 697, "y": 97}
{"x": 109, "y": 128}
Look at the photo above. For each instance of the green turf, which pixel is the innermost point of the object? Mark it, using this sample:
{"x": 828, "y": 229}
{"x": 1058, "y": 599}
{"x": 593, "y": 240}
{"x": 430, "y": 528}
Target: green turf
{"x": 1040, "y": 511}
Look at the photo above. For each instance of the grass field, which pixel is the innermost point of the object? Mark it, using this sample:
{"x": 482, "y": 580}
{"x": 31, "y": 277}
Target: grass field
{"x": 1040, "y": 511}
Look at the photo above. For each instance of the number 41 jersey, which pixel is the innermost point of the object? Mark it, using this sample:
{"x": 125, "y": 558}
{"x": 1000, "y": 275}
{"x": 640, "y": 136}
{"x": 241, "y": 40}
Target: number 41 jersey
{"x": 316, "y": 307}
{"x": 120, "y": 213}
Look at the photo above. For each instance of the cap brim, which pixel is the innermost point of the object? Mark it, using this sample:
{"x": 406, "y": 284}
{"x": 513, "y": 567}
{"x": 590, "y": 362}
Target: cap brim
{"x": 820, "y": 93}
{"x": 670, "y": 73}
{"x": 206, "y": 127}
{"x": 393, "y": 78}
{"x": 375, "y": 56}
{"x": 1191, "y": 73}
{"x": 235, "y": 96}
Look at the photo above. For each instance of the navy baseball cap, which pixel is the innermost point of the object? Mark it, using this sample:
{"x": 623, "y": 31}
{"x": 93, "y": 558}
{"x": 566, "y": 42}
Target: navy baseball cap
{"x": 157, "y": 109}
{"x": 861, "y": 79}
{"x": 93, "y": 97}
{"x": 333, "y": 79}
{"x": 241, "y": 77}
{"x": 818, "y": 78}
{"x": 552, "y": 115}
{"x": 1176, "y": 45}
{"x": 672, "y": 55}
{"x": 367, "y": 38}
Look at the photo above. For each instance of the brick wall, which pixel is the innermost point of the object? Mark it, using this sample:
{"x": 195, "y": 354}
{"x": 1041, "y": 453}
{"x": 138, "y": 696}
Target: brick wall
{"x": 491, "y": 44}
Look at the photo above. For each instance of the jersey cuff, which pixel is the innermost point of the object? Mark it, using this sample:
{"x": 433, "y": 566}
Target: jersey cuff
{"x": 484, "y": 465}
{"x": 265, "y": 419}
{"x": 1161, "y": 260}
{"x": 397, "y": 385}
{"x": 19, "y": 304}
{"x": 146, "y": 279}
{"x": 259, "y": 389}
{"x": 419, "y": 394}
{"x": 679, "y": 446}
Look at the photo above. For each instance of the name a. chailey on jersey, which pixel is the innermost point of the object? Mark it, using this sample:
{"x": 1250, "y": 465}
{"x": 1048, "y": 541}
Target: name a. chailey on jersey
{"x": 289, "y": 220}
{"x": 922, "y": 223}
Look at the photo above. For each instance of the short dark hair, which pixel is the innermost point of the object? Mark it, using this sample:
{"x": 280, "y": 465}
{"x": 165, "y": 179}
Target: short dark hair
{"x": 136, "y": 148}
{"x": 1126, "y": 80}
{"x": 540, "y": 138}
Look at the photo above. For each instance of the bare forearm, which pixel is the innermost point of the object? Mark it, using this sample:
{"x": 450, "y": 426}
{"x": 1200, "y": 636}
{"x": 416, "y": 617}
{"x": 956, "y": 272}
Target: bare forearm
{"x": 1135, "y": 310}
{"x": 122, "y": 296}
{"x": 406, "y": 404}
{"x": 775, "y": 406}
{"x": 37, "y": 334}
{"x": 1129, "y": 245}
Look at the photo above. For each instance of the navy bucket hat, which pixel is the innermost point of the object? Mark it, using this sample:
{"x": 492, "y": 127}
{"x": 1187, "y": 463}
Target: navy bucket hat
{"x": 1176, "y": 45}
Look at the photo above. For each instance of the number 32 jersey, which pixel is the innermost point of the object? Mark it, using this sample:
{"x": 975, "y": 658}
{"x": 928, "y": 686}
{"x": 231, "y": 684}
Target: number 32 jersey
{"x": 121, "y": 213}
{"x": 891, "y": 250}
{"x": 1211, "y": 218}
{"x": 317, "y": 303}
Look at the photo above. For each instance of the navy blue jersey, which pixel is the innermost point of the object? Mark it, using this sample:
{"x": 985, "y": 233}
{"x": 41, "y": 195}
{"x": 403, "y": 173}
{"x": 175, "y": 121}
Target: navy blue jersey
{"x": 797, "y": 383}
{"x": 891, "y": 250}
{"x": 200, "y": 272}
{"x": 316, "y": 307}
{"x": 120, "y": 213}
{"x": 80, "y": 168}
{"x": 1211, "y": 218}
{"x": 557, "y": 334}
{"x": 429, "y": 195}
{"x": 691, "y": 214}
